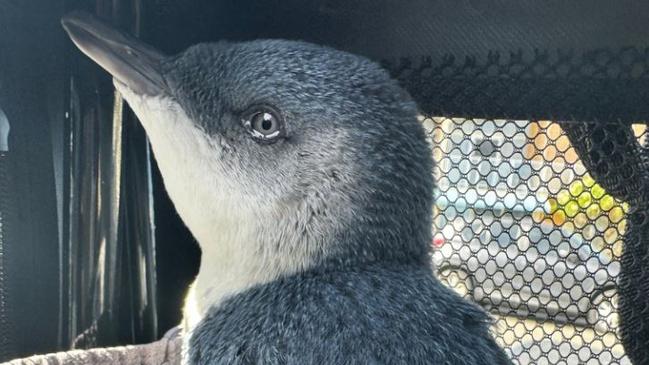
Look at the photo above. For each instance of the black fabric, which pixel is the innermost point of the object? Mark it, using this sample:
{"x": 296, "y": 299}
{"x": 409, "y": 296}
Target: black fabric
{"x": 597, "y": 85}
{"x": 109, "y": 221}
{"x": 31, "y": 97}
{"x": 58, "y": 204}
{"x": 617, "y": 160}
{"x": 7, "y": 348}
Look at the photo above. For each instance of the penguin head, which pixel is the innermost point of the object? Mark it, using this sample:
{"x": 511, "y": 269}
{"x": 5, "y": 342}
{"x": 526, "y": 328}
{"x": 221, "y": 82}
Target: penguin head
{"x": 302, "y": 156}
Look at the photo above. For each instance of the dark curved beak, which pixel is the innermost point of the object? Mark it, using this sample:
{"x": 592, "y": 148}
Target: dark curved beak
{"x": 130, "y": 61}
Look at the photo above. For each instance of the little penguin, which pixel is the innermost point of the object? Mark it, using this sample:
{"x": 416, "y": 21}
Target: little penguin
{"x": 306, "y": 178}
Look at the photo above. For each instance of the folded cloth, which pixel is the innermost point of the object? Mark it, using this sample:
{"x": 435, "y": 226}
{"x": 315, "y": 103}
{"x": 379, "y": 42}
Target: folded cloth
{"x": 166, "y": 351}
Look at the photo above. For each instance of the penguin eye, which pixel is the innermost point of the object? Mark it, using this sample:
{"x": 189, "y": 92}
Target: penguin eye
{"x": 264, "y": 124}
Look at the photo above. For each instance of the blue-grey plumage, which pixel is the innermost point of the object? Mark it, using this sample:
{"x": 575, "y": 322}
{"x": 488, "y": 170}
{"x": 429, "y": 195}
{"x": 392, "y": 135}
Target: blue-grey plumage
{"x": 374, "y": 314}
{"x": 306, "y": 179}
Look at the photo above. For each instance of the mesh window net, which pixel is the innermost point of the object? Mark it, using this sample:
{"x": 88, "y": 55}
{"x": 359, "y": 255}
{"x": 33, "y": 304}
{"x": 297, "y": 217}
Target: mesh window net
{"x": 523, "y": 227}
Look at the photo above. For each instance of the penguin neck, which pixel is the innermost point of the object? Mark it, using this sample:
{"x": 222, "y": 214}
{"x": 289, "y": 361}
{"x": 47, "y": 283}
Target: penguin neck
{"x": 237, "y": 253}
{"x": 218, "y": 215}
{"x": 228, "y": 266}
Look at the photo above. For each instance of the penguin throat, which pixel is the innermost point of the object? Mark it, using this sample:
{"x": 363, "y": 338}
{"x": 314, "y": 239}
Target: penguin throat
{"x": 227, "y": 268}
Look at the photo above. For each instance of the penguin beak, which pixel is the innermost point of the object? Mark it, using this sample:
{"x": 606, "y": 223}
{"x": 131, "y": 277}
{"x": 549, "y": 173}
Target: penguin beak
{"x": 130, "y": 61}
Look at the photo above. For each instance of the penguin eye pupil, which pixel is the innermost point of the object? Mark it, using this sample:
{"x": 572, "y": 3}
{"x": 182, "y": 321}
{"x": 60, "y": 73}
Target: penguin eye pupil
{"x": 267, "y": 124}
{"x": 264, "y": 124}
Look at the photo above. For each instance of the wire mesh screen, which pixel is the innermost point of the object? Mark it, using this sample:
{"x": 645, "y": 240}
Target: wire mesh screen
{"x": 523, "y": 228}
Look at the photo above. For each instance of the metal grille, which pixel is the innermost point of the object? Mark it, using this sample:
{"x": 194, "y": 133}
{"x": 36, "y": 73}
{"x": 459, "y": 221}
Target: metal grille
{"x": 522, "y": 228}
